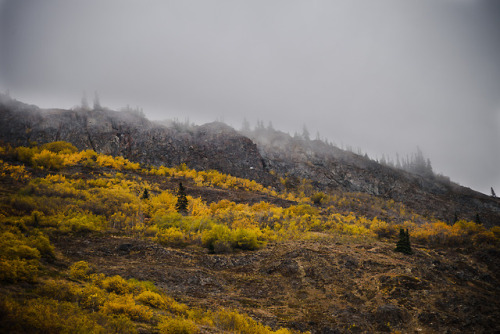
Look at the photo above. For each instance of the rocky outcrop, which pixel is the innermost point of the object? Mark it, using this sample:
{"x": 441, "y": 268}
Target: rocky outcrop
{"x": 329, "y": 167}
{"x": 210, "y": 146}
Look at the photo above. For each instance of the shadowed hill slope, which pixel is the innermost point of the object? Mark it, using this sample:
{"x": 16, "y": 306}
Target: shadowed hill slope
{"x": 320, "y": 287}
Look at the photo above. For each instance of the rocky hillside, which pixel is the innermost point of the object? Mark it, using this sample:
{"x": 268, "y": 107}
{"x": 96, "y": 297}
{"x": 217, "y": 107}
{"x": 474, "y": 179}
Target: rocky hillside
{"x": 313, "y": 286}
{"x": 210, "y": 146}
{"x": 97, "y": 244}
{"x": 329, "y": 167}
{"x": 264, "y": 156}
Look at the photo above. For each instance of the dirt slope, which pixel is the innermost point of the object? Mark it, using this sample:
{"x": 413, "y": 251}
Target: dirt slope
{"x": 319, "y": 286}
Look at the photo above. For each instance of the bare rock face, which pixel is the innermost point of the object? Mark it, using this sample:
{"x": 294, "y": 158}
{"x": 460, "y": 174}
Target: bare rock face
{"x": 211, "y": 146}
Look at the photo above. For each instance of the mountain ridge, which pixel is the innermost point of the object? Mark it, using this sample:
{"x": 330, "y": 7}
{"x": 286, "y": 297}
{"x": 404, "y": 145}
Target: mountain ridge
{"x": 267, "y": 156}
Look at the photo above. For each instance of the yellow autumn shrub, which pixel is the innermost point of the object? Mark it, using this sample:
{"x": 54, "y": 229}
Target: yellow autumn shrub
{"x": 151, "y": 298}
{"x": 60, "y": 147}
{"x": 47, "y": 159}
{"x": 80, "y": 270}
{"x": 117, "y": 284}
{"x": 59, "y": 289}
{"x": 177, "y": 326}
{"x": 171, "y": 237}
{"x": 18, "y": 259}
{"x": 15, "y": 270}
{"x": 14, "y": 172}
{"x": 126, "y": 305}
{"x": 248, "y": 239}
{"x": 91, "y": 297}
{"x": 237, "y": 323}
{"x": 42, "y": 315}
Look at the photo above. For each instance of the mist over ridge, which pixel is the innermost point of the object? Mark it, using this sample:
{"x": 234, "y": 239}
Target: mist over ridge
{"x": 384, "y": 76}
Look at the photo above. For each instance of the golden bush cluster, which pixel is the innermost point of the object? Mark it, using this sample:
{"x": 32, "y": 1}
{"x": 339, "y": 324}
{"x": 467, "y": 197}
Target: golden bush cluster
{"x": 111, "y": 200}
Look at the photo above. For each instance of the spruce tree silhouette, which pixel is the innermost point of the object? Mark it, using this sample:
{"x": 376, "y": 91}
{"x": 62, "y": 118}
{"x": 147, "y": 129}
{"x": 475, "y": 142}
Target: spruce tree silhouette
{"x": 182, "y": 202}
{"x": 403, "y": 244}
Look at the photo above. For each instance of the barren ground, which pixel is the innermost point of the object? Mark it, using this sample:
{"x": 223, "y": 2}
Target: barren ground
{"x": 322, "y": 286}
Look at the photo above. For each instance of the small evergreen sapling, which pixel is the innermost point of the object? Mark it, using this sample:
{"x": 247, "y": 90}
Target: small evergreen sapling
{"x": 36, "y": 220}
{"x": 403, "y": 244}
{"x": 182, "y": 202}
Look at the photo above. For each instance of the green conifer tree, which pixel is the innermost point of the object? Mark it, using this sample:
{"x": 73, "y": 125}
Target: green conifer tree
{"x": 145, "y": 194}
{"x": 182, "y": 202}
{"x": 403, "y": 244}
{"x": 36, "y": 220}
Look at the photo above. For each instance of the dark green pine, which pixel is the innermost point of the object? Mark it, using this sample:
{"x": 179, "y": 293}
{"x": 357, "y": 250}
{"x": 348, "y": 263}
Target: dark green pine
{"x": 403, "y": 245}
{"x": 182, "y": 202}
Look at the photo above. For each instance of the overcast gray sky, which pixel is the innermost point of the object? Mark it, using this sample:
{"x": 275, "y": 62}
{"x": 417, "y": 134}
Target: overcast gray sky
{"x": 383, "y": 75}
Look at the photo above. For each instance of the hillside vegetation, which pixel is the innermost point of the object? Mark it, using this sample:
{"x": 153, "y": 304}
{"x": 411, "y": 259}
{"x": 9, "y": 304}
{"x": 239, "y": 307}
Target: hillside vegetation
{"x": 95, "y": 242}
